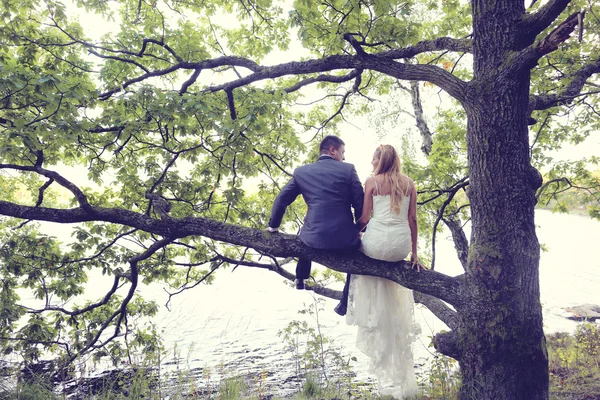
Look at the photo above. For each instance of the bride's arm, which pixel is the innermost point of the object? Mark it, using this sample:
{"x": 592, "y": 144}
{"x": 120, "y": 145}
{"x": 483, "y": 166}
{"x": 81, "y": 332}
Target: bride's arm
{"x": 412, "y": 220}
{"x": 367, "y": 204}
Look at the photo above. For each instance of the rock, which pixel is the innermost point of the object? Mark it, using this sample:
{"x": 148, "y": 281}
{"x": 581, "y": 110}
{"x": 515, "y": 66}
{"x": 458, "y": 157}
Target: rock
{"x": 589, "y": 312}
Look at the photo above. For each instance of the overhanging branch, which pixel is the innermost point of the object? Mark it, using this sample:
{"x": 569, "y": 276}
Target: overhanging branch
{"x": 436, "y": 306}
{"x": 425, "y": 46}
{"x": 528, "y": 57}
{"x": 280, "y": 245}
{"x": 570, "y": 92}
{"x": 534, "y": 24}
{"x": 383, "y": 62}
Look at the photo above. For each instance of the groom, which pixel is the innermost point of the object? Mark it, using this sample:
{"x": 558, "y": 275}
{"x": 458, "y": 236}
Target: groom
{"x": 330, "y": 188}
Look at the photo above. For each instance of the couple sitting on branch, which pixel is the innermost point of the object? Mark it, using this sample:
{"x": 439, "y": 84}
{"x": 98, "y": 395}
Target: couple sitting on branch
{"x": 382, "y": 309}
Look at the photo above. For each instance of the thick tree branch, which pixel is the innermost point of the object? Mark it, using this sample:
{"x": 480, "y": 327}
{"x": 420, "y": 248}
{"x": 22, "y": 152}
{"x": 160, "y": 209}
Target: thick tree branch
{"x": 436, "y": 306}
{"x": 280, "y": 245}
{"x": 355, "y": 44}
{"x": 570, "y": 92}
{"x": 192, "y": 79}
{"x": 534, "y": 24}
{"x": 439, "y": 44}
{"x": 440, "y": 309}
{"x": 447, "y": 344}
{"x": 528, "y": 57}
{"x": 381, "y": 63}
{"x": 231, "y": 104}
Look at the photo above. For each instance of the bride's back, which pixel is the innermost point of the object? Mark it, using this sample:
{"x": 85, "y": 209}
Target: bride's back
{"x": 382, "y": 197}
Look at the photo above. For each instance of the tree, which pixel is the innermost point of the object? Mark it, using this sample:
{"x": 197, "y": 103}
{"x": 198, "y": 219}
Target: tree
{"x": 170, "y": 147}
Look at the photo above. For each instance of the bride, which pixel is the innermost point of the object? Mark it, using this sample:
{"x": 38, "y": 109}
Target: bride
{"x": 382, "y": 309}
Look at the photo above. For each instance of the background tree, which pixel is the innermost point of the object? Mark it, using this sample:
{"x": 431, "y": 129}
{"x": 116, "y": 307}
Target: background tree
{"x": 175, "y": 110}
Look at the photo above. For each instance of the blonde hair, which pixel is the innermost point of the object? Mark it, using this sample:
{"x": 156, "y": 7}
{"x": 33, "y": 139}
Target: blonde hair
{"x": 390, "y": 166}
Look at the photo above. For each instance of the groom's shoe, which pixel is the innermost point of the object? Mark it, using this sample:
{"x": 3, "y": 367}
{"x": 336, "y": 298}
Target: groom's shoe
{"x": 341, "y": 309}
{"x": 299, "y": 284}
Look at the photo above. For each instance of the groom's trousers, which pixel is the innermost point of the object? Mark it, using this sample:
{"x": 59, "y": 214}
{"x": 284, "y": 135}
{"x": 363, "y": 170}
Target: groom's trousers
{"x": 303, "y": 272}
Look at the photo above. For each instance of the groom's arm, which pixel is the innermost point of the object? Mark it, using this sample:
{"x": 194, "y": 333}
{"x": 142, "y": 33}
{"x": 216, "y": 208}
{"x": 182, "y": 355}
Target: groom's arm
{"x": 357, "y": 193}
{"x": 286, "y": 197}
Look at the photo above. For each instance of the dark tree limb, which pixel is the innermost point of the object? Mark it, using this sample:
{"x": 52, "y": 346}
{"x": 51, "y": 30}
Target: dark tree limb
{"x": 383, "y": 62}
{"x": 355, "y": 44}
{"x": 570, "y": 92}
{"x": 42, "y": 190}
{"x": 190, "y": 81}
{"x": 528, "y": 57}
{"x": 436, "y": 306}
{"x": 534, "y": 24}
{"x": 376, "y": 62}
{"x": 560, "y": 34}
{"x": 440, "y": 216}
{"x": 436, "y": 284}
{"x": 231, "y": 104}
{"x": 425, "y": 46}
{"x": 440, "y": 309}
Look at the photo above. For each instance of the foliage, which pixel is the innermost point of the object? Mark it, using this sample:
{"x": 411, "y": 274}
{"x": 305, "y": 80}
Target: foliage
{"x": 34, "y": 390}
{"x": 166, "y": 117}
{"x": 441, "y": 379}
{"x": 567, "y": 196}
{"x": 575, "y": 361}
{"x": 321, "y": 367}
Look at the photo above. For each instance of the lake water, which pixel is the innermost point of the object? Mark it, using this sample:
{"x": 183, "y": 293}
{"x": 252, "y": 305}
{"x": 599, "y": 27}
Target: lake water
{"x": 231, "y": 327}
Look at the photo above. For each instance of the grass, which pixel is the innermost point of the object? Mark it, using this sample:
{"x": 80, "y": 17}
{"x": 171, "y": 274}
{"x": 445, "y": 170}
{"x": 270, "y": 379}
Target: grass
{"x": 574, "y": 365}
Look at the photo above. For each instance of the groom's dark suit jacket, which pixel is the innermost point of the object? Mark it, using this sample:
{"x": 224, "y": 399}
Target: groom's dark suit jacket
{"x": 330, "y": 188}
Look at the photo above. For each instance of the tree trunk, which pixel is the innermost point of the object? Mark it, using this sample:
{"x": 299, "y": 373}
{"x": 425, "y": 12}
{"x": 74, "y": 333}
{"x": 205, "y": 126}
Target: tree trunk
{"x": 500, "y": 340}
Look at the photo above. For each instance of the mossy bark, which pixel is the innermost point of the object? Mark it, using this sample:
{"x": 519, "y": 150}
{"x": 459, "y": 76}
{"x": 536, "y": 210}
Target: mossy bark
{"x": 500, "y": 339}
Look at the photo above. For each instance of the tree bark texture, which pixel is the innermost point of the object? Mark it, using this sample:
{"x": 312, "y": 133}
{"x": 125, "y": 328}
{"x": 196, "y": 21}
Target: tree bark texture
{"x": 500, "y": 340}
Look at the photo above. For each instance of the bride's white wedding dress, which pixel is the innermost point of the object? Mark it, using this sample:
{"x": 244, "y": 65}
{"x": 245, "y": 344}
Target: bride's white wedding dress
{"x": 382, "y": 309}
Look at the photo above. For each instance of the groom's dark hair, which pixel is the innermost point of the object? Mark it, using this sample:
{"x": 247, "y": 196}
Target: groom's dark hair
{"x": 329, "y": 141}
